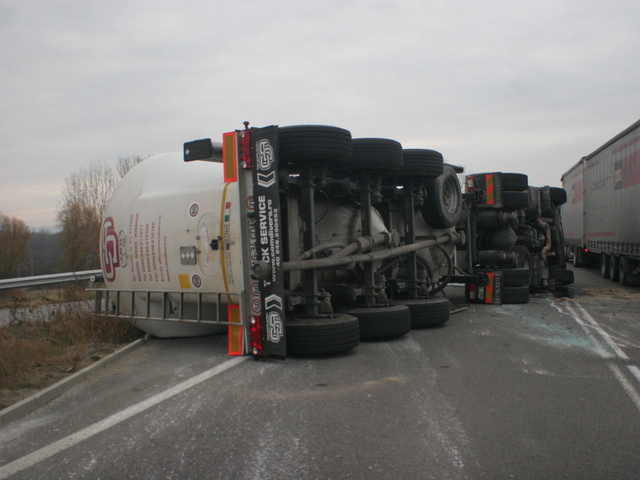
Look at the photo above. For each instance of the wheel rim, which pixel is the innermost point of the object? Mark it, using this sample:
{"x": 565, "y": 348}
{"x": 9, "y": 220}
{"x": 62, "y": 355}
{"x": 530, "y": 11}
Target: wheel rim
{"x": 449, "y": 196}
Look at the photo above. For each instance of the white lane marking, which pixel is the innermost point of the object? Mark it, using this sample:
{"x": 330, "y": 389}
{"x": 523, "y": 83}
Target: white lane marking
{"x": 626, "y": 384}
{"x": 606, "y": 337}
{"x": 628, "y": 387}
{"x": 635, "y": 371}
{"x": 71, "y": 440}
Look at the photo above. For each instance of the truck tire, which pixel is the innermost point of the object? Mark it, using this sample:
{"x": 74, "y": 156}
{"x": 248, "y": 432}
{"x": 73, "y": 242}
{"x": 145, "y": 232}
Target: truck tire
{"x": 558, "y": 195}
{"x": 515, "y": 182}
{"x": 604, "y": 265}
{"x": 563, "y": 276}
{"x": 625, "y": 271}
{"x": 614, "y": 268}
{"x": 515, "y": 200}
{"x": 300, "y": 144}
{"x": 382, "y": 322}
{"x": 515, "y": 295}
{"x": 422, "y": 162}
{"x": 443, "y": 206}
{"x": 322, "y": 336}
{"x": 376, "y": 154}
{"x": 428, "y": 312}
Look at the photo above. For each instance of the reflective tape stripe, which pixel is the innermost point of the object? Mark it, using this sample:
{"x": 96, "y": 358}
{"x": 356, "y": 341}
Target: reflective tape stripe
{"x": 490, "y": 189}
{"x": 489, "y": 289}
{"x": 230, "y": 157}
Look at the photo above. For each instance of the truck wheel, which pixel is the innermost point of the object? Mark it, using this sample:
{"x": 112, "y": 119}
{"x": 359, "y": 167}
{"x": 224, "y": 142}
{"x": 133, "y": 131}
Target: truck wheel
{"x": 382, "y": 322}
{"x": 625, "y": 271}
{"x": 376, "y": 154}
{"x": 421, "y": 162}
{"x": 322, "y": 336}
{"x": 604, "y": 265}
{"x": 301, "y": 144}
{"x": 614, "y": 268}
{"x": 515, "y": 294}
{"x": 515, "y": 182}
{"x": 515, "y": 200}
{"x": 428, "y": 312}
{"x": 443, "y": 205}
{"x": 563, "y": 276}
{"x": 558, "y": 195}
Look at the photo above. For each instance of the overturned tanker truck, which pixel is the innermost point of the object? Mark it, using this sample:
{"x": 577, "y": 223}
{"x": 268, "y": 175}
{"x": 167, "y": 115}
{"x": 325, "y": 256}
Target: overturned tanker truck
{"x": 516, "y": 239}
{"x": 293, "y": 240}
{"x": 296, "y": 240}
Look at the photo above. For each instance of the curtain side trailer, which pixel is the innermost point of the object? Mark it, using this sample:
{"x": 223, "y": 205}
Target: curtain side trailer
{"x": 601, "y": 218}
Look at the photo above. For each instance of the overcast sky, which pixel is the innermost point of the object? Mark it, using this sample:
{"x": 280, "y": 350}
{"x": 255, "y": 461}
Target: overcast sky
{"x": 520, "y": 86}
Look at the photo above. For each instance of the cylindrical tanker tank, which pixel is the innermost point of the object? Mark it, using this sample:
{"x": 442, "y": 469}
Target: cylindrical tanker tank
{"x": 169, "y": 227}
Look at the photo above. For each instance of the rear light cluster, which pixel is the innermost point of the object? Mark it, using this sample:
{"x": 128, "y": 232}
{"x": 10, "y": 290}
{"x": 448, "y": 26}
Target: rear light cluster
{"x": 256, "y": 336}
{"x": 245, "y": 147}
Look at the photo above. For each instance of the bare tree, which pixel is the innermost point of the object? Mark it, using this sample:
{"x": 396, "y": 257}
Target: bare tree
{"x": 14, "y": 245}
{"x": 84, "y": 198}
{"x": 124, "y": 164}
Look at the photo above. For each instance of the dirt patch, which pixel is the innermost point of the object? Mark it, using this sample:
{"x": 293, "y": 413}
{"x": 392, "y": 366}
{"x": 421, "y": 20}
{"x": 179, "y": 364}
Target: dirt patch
{"x": 595, "y": 293}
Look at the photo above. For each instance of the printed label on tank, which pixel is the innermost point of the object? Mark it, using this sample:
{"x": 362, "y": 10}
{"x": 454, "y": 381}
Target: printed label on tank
{"x": 110, "y": 250}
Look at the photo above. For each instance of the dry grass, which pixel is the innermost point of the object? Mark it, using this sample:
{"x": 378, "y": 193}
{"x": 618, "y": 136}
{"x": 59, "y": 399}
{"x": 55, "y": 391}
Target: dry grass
{"x": 43, "y": 344}
{"x": 36, "y": 296}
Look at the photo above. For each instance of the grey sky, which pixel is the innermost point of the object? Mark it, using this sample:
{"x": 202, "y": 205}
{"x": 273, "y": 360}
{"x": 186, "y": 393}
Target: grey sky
{"x": 494, "y": 85}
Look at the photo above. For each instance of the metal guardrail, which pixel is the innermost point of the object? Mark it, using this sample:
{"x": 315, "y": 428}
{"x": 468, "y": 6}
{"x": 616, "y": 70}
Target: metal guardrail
{"x": 37, "y": 280}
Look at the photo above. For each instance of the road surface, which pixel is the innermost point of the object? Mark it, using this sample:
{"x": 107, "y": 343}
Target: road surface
{"x": 545, "y": 390}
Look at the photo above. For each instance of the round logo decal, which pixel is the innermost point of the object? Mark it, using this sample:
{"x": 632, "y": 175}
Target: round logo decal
{"x": 194, "y": 209}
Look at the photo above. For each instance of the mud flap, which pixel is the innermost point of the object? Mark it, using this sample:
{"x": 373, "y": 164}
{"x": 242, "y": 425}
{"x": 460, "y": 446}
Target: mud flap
{"x": 268, "y": 239}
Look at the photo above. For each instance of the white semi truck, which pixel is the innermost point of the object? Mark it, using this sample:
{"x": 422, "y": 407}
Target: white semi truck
{"x": 294, "y": 240}
{"x": 601, "y": 218}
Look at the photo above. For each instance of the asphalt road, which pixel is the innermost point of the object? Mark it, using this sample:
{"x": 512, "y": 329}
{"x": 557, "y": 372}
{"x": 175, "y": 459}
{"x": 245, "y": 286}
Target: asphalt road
{"x": 545, "y": 390}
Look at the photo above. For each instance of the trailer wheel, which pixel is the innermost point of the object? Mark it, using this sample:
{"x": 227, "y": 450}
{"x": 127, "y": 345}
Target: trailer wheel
{"x": 604, "y": 265}
{"x": 300, "y": 144}
{"x": 515, "y": 182}
{"x": 421, "y": 162}
{"x": 443, "y": 205}
{"x": 375, "y": 154}
{"x": 625, "y": 271}
{"x": 515, "y": 200}
{"x": 382, "y": 322}
{"x": 322, "y": 336}
{"x": 515, "y": 294}
{"x": 614, "y": 268}
{"x": 428, "y": 312}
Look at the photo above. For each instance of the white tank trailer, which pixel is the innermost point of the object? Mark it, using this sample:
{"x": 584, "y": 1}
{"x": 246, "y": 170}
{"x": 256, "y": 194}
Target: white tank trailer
{"x": 294, "y": 240}
{"x": 601, "y": 217}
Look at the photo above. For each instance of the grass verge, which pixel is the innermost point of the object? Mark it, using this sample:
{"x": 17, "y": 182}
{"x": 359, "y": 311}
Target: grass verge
{"x": 41, "y": 345}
